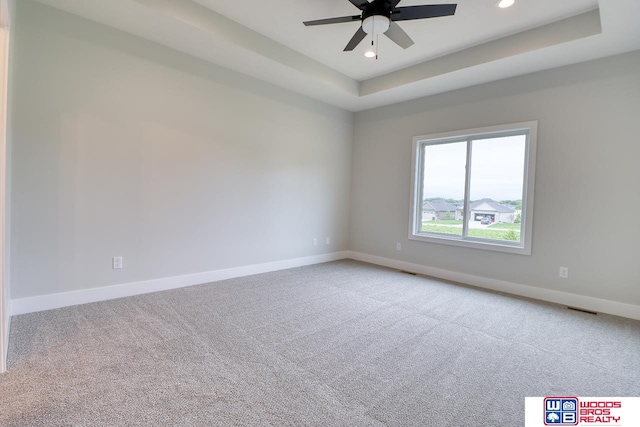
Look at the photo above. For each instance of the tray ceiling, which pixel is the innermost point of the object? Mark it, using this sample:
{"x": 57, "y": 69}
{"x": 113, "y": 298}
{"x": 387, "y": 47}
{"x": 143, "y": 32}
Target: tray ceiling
{"x": 481, "y": 43}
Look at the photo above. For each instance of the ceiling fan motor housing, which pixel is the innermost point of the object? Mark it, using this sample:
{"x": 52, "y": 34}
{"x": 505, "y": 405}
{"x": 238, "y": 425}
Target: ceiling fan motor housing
{"x": 376, "y": 17}
{"x": 375, "y": 24}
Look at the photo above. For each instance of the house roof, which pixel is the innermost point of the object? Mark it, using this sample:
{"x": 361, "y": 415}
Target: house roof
{"x": 498, "y": 207}
{"x": 439, "y": 206}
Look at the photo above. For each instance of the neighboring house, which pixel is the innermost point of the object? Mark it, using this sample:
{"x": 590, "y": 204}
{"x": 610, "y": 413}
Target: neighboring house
{"x": 440, "y": 209}
{"x": 490, "y": 208}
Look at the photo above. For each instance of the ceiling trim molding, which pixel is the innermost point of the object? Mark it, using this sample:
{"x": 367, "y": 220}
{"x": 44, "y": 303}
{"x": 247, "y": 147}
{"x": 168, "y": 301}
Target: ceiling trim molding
{"x": 566, "y": 30}
{"x": 204, "y": 19}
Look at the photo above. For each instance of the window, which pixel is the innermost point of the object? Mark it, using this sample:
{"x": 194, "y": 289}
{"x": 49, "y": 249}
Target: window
{"x": 474, "y": 188}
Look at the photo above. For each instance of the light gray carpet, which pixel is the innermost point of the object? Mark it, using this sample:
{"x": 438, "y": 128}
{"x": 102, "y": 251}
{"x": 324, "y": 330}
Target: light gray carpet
{"x": 337, "y": 344}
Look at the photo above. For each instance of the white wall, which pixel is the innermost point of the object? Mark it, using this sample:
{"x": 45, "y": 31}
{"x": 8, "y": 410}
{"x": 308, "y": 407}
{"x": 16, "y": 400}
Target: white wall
{"x": 124, "y": 147}
{"x": 587, "y": 163}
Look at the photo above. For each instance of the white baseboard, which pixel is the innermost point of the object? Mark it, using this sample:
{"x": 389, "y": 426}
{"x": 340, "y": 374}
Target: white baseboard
{"x": 7, "y": 331}
{"x": 549, "y": 295}
{"x": 7, "y": 328}
{"x": 65, "y": 299}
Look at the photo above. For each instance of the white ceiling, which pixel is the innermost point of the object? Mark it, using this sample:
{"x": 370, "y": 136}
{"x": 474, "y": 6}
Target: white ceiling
{"x": 476, "y": 21}
{"x": 481, "y": 43}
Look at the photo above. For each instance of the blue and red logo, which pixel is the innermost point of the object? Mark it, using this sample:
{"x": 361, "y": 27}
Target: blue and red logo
{"x": 561, "y": 411}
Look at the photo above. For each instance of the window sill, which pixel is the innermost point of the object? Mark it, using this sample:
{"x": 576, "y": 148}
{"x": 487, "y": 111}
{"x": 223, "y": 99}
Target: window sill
{"x": 474, "y": 243}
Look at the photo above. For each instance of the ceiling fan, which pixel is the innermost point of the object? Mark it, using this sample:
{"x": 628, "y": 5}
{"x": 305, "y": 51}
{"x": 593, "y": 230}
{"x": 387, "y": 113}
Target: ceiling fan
{"x": 380, "y": 17}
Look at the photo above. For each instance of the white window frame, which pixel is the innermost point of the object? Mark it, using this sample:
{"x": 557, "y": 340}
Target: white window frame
{"x": 530, "y": 129}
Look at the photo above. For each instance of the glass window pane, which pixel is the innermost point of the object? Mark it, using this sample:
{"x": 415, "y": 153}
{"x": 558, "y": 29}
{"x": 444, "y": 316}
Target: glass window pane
{"x": 497, "y": 175}
{"x": 443, "y": 188}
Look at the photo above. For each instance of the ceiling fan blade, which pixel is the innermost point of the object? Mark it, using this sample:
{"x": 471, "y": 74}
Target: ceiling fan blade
{"x": 420, "y": 12}
{"x": 355, "y": 40}
{"x": 333, "y": 20}
{"x": 360, "y": 4}
{"x": 394, "y": 3}
{"x": 398, "y": 36}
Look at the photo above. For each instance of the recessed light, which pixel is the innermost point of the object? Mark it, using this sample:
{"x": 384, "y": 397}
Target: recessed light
{"x": 505, "y": 3}
{"x": 370, "y": 53}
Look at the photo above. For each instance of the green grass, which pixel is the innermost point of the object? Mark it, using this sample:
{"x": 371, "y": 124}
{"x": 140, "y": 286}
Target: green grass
{"x": 505, "y": 226}
{"x": 426, "y": 226}
{"x": 444, "y": 222}
{"x": 512, "y": 234}
{"x": 486, "y": 233}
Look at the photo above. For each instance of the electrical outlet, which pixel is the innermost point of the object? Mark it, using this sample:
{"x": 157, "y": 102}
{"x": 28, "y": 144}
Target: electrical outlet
{"x": 398, "y": 246}
{"x": 116, "y": 262}
{"x": 327, "y": 240}
{"x": 314, "y": 242}
{"x": 564, "y": 273}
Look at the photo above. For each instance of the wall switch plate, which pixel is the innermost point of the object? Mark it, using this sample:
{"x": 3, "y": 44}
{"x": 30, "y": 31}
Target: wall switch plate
{"x": 116, "y": 262}
{"x": 564, "y": 272}
{"x": 398, "y": 246}
{"x": 314, "y": 242}
{"x": 327, "y": 240}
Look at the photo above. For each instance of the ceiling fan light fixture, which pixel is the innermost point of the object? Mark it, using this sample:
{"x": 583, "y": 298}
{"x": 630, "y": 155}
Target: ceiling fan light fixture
{"x": 503, "y": 4}
{"x": 376, "y": 15}
{"x": 375, "y": 24}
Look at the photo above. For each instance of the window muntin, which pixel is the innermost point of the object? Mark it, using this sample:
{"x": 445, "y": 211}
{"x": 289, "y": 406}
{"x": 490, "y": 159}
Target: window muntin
{"x": 475, "y": 188}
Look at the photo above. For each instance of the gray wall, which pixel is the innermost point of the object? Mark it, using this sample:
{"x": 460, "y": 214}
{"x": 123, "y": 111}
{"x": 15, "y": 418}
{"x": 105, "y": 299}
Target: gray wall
{"x": 587, "y": 163}
{"x": 124, "y": 147}
{"x": 6, "y": 311}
